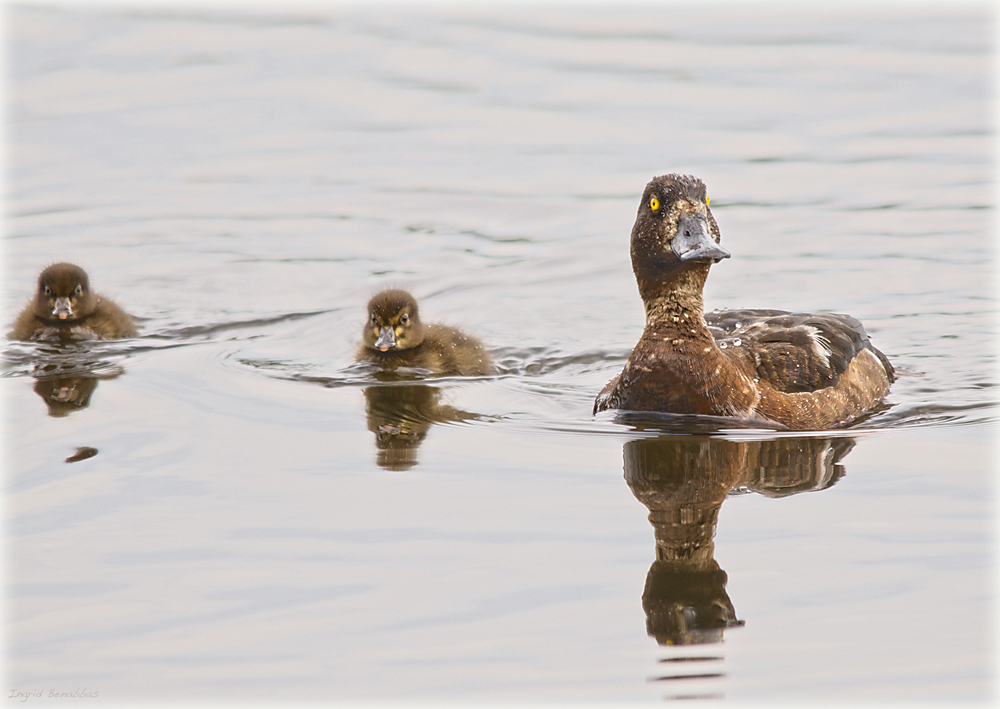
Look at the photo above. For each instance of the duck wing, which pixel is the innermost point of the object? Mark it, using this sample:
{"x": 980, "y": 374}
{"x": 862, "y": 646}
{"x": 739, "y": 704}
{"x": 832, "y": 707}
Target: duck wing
{"x": 793, "y": 352}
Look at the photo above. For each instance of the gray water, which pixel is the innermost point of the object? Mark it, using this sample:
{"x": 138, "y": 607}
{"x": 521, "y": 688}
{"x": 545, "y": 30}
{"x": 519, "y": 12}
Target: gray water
{"x": 254, "y": 517}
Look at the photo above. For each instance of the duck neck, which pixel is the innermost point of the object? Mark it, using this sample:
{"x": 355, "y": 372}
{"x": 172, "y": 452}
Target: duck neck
{"x": 674, "y": 302}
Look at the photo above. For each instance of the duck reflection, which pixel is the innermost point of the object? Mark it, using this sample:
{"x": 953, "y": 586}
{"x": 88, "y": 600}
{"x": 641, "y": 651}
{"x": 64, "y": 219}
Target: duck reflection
{"x": 66, "y": 377}
{"x": 64, "y": 395}
{"x": 683, "y": 481}
{"x": 400, "y": 415}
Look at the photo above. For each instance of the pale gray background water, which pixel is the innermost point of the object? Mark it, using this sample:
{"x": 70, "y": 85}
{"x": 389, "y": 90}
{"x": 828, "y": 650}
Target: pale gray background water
{"x": 243, "y": 179}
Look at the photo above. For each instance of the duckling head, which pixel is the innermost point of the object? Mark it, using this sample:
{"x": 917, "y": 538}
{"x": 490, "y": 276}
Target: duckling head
{"x": 64, "y": 293}
{"x": 393, "y": 322}
{"x": 674, "y": 227}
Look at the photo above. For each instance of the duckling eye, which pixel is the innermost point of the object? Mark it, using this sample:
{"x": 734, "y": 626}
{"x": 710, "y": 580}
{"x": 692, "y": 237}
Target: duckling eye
{"x": 79, "y": 290}
{"x": 654, "y": 204}
{"x": 46, "y": 290}
{"x": 374, "y": 319}
{"x": 405, "y": 319}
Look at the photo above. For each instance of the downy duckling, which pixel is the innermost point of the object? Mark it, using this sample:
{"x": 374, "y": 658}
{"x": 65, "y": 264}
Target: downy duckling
{"x": 64, "y": 308}
{"x": 799, "y": 370}
{"x": 395, "y": 337}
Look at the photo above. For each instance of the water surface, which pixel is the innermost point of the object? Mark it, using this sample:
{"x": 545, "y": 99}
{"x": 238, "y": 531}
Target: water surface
{"x": 227, "y": 508}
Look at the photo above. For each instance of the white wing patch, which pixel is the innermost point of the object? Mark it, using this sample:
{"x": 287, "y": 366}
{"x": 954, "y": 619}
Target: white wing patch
{"x": 820, "y": 345}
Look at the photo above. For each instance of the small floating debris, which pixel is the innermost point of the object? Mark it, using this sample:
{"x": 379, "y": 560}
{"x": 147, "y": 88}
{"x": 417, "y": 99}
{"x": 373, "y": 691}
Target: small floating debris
{"x": 82, "y": 453}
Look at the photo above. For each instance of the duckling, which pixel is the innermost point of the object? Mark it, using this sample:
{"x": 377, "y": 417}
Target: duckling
{"x": 797, "y": 370}
{"x": 64, "y": 308}
{"x": 395, "y": 337}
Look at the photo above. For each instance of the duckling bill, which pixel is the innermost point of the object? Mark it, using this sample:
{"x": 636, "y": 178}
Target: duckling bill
{"x": 394, "y": 336}
{"x": 65, "y": 308}
{"x": 799, "y": 370}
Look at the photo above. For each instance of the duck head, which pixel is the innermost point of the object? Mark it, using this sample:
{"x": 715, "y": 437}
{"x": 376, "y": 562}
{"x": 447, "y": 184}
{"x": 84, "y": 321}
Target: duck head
{"x": 393, "y": 322}
{"x": 64, "y": 293}
{"x": 674, "y": 231}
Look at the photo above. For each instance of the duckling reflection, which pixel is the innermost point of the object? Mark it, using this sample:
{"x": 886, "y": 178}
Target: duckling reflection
{"x": 64, "y": 395}
{"x": 66, "y": 376}
{"x": 683, "y": 481}
{"x": 400, "y": 416}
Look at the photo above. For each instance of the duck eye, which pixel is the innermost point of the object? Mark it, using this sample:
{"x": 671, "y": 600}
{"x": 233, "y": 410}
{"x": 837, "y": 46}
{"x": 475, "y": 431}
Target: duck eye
{"x": 706, "y": 201}
{"x": 405, "y": 319}
{"x": 79, "y": 290}
{"x": 374, "y": 320}
{"x": 654, "y": 204}
{"x": 46, "y": 290}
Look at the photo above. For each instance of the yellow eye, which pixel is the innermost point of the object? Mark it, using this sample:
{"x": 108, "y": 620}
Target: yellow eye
{"x": 654, "y": 204}
{"x": 706, "y": 201}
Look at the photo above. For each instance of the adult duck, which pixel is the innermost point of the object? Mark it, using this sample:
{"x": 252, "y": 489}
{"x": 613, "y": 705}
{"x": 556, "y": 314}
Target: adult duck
{"x": 797, "y": 370}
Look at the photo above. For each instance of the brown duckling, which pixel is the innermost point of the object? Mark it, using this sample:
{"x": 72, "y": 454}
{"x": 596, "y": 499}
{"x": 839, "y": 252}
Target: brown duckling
{"x": 799, "y": 370}
{"x": 64, "y": 308}
{"x": 395, "y": 337}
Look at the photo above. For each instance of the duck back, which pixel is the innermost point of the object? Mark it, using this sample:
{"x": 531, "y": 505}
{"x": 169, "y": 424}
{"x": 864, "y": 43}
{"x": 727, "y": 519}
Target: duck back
{"x": 793, "y": 352}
